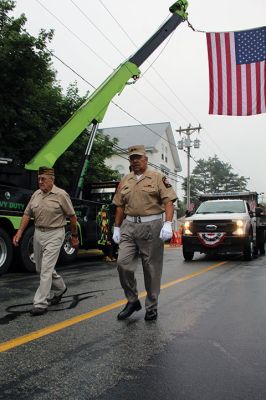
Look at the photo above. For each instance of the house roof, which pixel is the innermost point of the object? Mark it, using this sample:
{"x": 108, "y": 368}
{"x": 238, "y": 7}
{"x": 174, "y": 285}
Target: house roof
{"x": 148, "y": 135}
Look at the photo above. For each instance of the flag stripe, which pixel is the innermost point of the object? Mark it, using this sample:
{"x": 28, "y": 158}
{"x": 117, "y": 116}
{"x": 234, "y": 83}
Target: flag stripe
{"x": 263, "y": 79}
{"x": 258, "y": 86}
{"x": 238, "y": 90}
{"x": 224, "y": 75}
{"x": 249, "y": 92}
{"x": 208, "y": 36}
{"x": 233, "y": 68}
{"x": 229, "y": 85}
{"x": 237, "y": 72}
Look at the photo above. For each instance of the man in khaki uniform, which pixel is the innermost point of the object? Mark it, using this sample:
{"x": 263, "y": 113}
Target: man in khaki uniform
{"x": 141, "y": 199}
{"x": 49, "y": 206}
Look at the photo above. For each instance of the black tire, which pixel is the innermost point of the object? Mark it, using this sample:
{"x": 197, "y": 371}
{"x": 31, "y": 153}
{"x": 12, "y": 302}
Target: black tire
{"x": 188, "y": 255}
{"x": 260, "y": 241}
{"x": 68, "y": 254}
{"x": 26, "y": 250}
{"x": 248, "y": 250}
{"x": 6, "y": 252}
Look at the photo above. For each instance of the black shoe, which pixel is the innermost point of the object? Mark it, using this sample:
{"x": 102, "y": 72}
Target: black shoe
{"x": 56, "y": 299}
{"x": 38, "y": 311}
{"x": 151, "y": 315}
{"x": 129, "y": 309}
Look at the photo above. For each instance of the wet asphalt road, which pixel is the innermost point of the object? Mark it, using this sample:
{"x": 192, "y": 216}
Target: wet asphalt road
{"x": 208, "y": 342}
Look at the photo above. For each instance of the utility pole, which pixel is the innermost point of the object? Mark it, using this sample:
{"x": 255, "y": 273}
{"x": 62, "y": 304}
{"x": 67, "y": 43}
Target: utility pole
{"x": 187, "y": 143}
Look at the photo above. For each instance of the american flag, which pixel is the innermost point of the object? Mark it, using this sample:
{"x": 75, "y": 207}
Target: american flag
{"x": 237, "y": 72}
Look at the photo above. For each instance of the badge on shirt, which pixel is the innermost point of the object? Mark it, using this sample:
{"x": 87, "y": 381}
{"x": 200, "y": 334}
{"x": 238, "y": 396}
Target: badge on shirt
{"x": 166, "y": 182}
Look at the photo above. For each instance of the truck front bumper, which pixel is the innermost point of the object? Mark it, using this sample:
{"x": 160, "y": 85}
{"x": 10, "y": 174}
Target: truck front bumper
{"x": 230, "y": 245}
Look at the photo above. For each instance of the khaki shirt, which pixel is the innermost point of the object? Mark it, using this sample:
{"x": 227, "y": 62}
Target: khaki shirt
{"x": 49, "y": 210}
{"x": 145, "y": 196}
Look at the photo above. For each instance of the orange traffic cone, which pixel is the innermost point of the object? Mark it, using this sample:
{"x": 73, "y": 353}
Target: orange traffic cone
{"x": 175, "y": 241}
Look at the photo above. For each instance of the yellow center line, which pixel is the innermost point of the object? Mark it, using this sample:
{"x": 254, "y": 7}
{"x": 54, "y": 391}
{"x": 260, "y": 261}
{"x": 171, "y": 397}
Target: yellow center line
{"x": 10, "y": 344}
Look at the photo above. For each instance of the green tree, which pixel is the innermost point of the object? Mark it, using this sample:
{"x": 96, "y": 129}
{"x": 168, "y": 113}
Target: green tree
{"x": 32, "y": 103}
{"x": 213, "y": 175}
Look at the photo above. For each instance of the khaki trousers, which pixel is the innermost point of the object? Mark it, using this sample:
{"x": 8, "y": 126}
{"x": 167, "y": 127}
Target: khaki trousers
{"x": 47, "y": 247}
{"x": 141, "y": 239}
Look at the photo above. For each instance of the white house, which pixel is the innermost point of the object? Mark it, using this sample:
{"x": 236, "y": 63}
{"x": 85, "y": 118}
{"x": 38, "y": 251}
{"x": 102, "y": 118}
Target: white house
{"x": 159, "y": 143}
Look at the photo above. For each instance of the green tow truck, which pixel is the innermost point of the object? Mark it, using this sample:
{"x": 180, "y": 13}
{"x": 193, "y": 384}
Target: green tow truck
{"x": 94, "y": 210}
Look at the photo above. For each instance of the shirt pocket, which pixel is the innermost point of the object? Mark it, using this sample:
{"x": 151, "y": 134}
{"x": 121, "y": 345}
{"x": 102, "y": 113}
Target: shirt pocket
{"x": 149, "y": 196}
{"x": 149, "y": 189}
{"x": 54, "y": 206}
{"x": 35, "y": 210}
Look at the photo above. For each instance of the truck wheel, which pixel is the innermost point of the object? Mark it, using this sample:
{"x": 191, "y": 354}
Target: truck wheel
{"x": 188, "y": 255}
{"x": 6, "y": 251}
{"x": 26, "y": 250}
{"x": 248, "y": 250}
{"x": 68, "y": 253}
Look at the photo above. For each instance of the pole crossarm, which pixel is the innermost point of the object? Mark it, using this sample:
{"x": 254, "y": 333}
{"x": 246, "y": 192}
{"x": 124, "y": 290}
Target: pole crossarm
{"x": 187, "y": 143}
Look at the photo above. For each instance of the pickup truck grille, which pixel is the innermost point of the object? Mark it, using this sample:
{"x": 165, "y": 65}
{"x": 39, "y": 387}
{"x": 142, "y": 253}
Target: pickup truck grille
{"x": 227, "y": 226}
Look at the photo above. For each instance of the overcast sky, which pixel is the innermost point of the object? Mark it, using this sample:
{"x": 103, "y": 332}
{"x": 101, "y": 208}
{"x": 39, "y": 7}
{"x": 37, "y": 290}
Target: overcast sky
{"x": 93, "y": 37}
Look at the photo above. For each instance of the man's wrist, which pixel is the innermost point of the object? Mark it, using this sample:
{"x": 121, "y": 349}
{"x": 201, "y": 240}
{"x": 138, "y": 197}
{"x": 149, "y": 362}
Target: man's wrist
{"x": 74, "y": 234}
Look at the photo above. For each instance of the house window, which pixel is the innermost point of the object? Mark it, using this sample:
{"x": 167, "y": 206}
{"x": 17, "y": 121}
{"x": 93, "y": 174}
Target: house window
{"x": 162, "y": 152}
{"x": 166, "y": 154}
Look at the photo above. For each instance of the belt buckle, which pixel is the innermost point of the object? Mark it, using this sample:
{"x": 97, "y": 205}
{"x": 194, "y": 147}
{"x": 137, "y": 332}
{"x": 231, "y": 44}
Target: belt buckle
{"x": 137, "y": 219}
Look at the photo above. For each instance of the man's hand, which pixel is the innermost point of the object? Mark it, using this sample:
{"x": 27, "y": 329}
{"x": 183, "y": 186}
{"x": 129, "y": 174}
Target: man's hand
{"x": 116, "y": 235}
{"x": 16, "y": 239}
{"x": 166, "y": 231}
{"x": 75, "y": 242}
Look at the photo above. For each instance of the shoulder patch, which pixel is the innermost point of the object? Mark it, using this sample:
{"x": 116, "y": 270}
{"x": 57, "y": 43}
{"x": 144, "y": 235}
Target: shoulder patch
{"x": 166, "y": 182}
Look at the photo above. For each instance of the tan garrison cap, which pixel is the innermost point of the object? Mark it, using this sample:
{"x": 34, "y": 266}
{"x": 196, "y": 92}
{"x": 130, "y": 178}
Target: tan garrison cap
{"x": 138, "y": 150}
{"x": 46, "y": 171}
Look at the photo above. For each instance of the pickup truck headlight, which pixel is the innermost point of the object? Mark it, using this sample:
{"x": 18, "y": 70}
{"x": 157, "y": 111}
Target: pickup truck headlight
{"x": 240, "y": 227}
{"x": 187, "y": 227}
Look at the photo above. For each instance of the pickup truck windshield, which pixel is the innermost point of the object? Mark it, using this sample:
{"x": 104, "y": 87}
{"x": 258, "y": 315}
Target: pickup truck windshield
{"x": 225, "y": 206}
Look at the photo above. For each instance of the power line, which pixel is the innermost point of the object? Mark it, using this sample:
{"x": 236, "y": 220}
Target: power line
{"x": 150, "y": 64}
{"x": 154, "y": 69}
{"x": 73, "y": 33}
{"x": 106, "y": 63}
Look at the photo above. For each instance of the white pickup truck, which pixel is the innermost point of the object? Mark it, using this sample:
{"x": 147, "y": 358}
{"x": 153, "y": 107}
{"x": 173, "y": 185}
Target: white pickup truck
{"x": 224, "y": 223}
